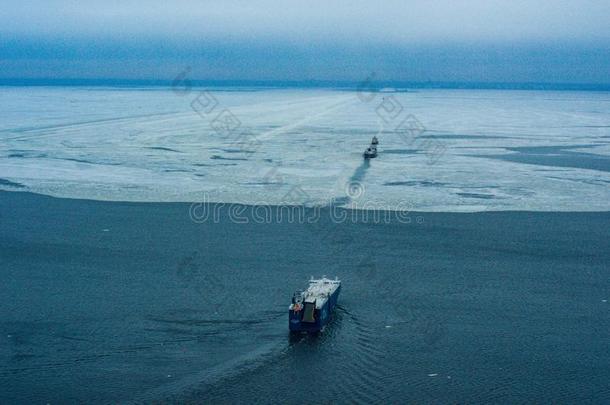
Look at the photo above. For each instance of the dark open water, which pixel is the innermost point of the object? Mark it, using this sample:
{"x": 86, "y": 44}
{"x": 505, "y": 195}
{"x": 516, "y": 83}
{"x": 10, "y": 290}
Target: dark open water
{"x": 107, "y": 302}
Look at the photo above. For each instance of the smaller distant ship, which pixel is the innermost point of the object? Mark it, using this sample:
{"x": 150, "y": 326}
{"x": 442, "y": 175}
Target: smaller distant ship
{"x": 311, "y": 310}
{"x": 371, "y": 151}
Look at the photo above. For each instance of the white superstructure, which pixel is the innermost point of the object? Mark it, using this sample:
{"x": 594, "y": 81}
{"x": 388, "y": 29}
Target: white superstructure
{"x": 319, "y": 290}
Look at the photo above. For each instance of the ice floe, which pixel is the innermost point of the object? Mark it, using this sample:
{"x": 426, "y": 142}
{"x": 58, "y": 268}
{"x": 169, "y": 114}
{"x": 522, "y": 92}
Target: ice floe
{"x": 477, "y": 150}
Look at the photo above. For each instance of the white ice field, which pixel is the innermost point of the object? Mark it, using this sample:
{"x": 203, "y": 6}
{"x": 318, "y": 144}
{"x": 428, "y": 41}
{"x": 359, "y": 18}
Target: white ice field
{"x": 476, "y": 150}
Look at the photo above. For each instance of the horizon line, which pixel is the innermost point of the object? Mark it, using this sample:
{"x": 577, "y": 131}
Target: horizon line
{"x": 374, "y": 85}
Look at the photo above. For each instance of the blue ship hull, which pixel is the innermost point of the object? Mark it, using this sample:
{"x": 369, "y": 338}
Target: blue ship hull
{"x": 322, "y": 316}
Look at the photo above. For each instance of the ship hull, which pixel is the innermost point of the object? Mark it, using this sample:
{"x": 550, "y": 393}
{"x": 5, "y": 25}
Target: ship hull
{"x": 322, "y": 316}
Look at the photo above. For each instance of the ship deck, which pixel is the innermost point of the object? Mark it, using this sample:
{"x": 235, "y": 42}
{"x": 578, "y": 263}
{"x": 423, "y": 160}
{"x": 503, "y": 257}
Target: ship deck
{"x": 320, "y": 290}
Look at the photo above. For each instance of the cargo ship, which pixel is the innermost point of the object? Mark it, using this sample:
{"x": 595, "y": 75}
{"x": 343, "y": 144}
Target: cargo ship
{"x": 311, "y": 310}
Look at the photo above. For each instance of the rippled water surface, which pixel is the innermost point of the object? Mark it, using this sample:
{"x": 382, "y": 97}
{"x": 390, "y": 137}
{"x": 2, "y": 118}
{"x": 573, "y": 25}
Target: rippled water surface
{"x": 107, "y": 302}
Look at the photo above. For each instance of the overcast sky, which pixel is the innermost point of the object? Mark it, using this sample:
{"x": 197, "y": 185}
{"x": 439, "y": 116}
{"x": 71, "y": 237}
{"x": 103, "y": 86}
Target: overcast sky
{"x": 476, "y": 40}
